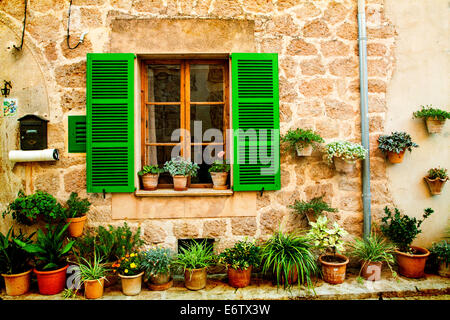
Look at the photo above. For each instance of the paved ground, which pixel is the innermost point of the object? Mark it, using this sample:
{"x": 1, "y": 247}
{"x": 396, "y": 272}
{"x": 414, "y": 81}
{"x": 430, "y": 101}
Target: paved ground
{"x": 431, "y": 287}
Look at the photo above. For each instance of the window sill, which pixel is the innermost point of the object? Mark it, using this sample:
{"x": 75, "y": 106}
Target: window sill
{"x": 193, "y": 192}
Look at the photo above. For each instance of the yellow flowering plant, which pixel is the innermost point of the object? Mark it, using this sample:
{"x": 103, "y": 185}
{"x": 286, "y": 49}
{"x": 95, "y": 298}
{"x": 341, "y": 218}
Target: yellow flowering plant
{"x": 129, "y": 265}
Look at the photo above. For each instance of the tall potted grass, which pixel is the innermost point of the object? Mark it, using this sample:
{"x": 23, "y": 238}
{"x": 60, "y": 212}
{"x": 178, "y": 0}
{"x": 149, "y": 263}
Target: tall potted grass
{"x": 194, "y": 259}
{"x": 92, "y": 275}
{"x": 372, "y": 251}
{"x": 289, "y": 258}
{"x": 15, "y": 262}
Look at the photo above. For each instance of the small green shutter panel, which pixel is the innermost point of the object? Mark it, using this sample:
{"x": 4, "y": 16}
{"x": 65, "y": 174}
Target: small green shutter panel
{"x": 77, "y": 134}
{"x": 256, "y": 123}
{"x": 110, "y": 122}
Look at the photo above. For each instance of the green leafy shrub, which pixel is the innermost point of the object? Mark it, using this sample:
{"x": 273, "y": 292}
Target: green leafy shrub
{"x": 242, "y": 255}
{"x": 49, "y": 250}
{"x": 195, "y": 255}
{"x": 441, "y": 251}
{"x": 301, "y": 138}
{"x": 346, "y": 150}
{"x": 396, "y": 142}
{"x": 13, "y": 258}
{"x": 129, "y": 265}
{"x": 76, "y": 207}
{"x": 435, "y": 173}
{"x": 181, "y": 167}
{"x": 219, "y": 166}
{"x": 401, "y": 229}
{"x": 157, "y": 261}
{"x": 153, "y": 169}
{"x": 430, "y": 112}
{"x": 111, "y": 243}
{"x": 26, "y": 209}
{"x": 329, "y": 240}
{"x": 316, "y": 205}
{"x": 285, "y": 252}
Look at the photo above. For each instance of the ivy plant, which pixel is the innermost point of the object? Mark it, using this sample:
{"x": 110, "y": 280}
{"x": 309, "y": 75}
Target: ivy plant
{"x": 301, "y": 138}
{"x": 396, "y": 142}
{"x": 181, "y": 167}
{"x": 430, "y": 112}
{"x": 402, "y": 229}
{"x": 346, "y": 150}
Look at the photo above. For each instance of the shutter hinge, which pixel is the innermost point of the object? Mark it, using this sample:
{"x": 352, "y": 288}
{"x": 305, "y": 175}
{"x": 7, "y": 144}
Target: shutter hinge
{"x": 261, "y": 192}
{"x": 104, "y": 193}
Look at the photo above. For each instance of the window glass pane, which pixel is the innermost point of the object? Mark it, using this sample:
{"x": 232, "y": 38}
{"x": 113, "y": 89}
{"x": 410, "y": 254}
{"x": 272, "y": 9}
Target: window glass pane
{"x": 164, "y": 83}
{"x": 162, "y": 121}
{"x": 206, "y": 82}
{"x": 204, "y": 117}
{"x": 204, "y": 156}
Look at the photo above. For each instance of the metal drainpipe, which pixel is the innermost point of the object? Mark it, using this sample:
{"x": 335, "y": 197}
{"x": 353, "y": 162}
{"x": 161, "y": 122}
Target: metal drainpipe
{"x": 364, "y": 116}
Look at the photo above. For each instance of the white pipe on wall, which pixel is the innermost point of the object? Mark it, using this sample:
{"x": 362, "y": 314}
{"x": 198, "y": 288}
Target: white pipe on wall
{"x": 33, "y": 155}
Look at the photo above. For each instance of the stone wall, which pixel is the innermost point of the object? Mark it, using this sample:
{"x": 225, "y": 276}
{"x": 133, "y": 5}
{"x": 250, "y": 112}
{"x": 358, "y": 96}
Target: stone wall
{"x": 319, "y": 89}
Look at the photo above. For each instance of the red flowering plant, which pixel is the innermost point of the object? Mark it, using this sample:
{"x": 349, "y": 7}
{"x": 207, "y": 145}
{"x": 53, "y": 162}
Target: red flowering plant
{"x": 128, "y": 265}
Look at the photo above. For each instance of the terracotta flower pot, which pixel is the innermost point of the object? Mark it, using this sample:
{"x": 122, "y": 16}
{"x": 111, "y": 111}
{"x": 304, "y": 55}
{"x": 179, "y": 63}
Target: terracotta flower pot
{"x": 51, "y": 282}
{"x": 395, "y": 157}
{"x": 344, "y": 166}
{"x": 434, "y": 125}
{"x": 160, "y": 282}
{"x": 76, "y": 226}
{"x": 131, "y": 285}
{"x": 435, "y": 185}
{"x": 219, "y": 180}
{"x": 160, "y": 278}
{"x": 180, "y": 183}
{"x": 371, "y": 270}
{"x": 303, "y": 151}
{"x": 334, "y": 272}
{"x": 150, "y": 181}
{"x": 17, "y": 284}
{"x": 412, "y": 265}
{"x": 238, "y": 278}
{"x": 93, "y": 289}
{"x": 444, "y": 269}
{"x": 195, "y": 279}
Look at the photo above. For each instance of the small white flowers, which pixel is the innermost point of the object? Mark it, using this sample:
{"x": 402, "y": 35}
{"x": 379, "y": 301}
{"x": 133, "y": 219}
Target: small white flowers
{"x": 345, "y": 150}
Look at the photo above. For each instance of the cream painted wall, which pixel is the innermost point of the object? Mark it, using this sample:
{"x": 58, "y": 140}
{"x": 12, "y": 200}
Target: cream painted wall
{"x": 421, "y": 76}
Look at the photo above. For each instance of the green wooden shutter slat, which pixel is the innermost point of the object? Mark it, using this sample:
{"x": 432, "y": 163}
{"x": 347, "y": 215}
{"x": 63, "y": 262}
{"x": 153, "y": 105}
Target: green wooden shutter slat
{"x": 77, "y": 134}
{"x": 110, "y": 122}
{"x": 255, "y": 112}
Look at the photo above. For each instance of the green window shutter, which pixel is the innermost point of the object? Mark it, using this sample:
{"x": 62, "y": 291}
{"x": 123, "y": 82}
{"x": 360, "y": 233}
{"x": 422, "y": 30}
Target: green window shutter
{"x": 256, "y": 122}
{"x": 110, "y": 122}
{"x": 77, "y": 134}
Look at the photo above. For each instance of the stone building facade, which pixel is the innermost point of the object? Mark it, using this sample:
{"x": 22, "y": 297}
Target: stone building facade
{"x": 317, "y": 46}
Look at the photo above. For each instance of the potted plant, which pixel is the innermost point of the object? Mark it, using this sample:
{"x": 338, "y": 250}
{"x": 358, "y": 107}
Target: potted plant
{"x": 302, "y": 141}
{"x": 92, "y": 275}
{"x": 436, "y": 179}
{"x": 27, "y": 209}
{"x": 372, "y": 251}
{"x": 434, "y": 118}
{"x": 156, "y": 263}
{"x": 402, "y": 230}
{"x": 288, "y": 256}
{"x": 15, "y": 262}
{"x": 239, "y": 260}
{"x": 130, "y": 272}
{"x": 111, "y": 243}
{"x": 395, "y": 145}
{"x": 440, "y": 252}
{"x": 180, "y": 169}
{"x": 194, "y": 259}
{"x": 329, "y": 240}
{"x": 344, "y": 155}
{"x": 150, "y": 176}
{"x": 50, "y": 254}
{"x": 219, "y": 174}
{"x": 76, "y": 214}
{"x": 312, "y": 209}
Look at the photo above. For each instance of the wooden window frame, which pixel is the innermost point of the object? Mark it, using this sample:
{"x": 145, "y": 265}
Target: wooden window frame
{"x": 185, "y": 106}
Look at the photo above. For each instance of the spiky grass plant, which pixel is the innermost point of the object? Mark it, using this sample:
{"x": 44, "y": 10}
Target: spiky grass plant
{"x": 93, "y": 269}
{"x": 285, "y": 252}
{"x": 196, "y": 255}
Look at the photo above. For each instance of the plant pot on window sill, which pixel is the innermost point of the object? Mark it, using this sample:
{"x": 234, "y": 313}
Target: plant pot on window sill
{"x": 180, "y": 183}
{"x": 150, "y": 181}
{"x": 219, "y": 180}
{"x": 434, "y": 125}
{"x": 435, "y": 185}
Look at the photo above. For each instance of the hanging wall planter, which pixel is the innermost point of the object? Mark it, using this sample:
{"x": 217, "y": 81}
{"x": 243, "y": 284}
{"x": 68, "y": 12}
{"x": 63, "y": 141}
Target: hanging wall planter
{"x": 301, "y": 141}
{"x": 434, "y": 118}
{"x": 436, "y": 179}
{"x": 395, "y": 145}
{"x": 344, "y": 155}
{"x": 343, "y": 165}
